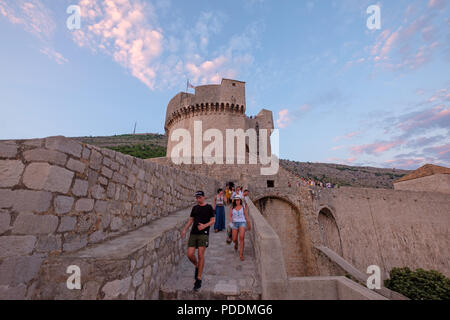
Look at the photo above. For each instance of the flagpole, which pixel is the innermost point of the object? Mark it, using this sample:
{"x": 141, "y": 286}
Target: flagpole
{"x": 187, "y": 84}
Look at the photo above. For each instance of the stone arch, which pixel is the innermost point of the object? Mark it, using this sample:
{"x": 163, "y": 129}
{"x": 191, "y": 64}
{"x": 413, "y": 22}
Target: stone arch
{"x": 291, "y": 227}
{"x": 329, "y": 230}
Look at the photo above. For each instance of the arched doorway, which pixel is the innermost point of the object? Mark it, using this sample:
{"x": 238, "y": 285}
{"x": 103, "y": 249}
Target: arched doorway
{"x": 329, "y": 231}
{"x": 290, "y": 226}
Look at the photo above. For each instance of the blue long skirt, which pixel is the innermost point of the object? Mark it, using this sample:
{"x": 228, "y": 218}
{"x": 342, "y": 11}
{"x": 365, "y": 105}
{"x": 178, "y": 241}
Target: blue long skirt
{"x": 220, "y": 218}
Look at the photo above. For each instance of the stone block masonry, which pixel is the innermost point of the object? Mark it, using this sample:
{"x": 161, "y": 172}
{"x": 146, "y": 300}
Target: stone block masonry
{"x": 130, "y": 267}
{"x": 58, "y": 196}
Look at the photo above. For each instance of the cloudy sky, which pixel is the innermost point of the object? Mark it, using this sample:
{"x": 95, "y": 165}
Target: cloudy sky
{"x": 340, "y": 92}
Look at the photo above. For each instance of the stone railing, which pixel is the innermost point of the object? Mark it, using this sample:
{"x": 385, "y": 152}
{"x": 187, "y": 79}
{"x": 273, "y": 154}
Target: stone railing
{"x": 269, "y": 256}
{"x": 129, "y": 267}
{"x": 58, "y": 196}
{"x": 275, "y": 283}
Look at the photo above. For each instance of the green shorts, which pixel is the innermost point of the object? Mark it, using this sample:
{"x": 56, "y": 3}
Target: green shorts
{"x": 198, "y": 240}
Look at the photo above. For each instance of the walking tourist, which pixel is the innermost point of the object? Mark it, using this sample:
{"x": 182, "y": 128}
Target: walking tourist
{"x": 202, "y": 217}
{"x": 241, "y": 223}
{"x": 219, "y": 203}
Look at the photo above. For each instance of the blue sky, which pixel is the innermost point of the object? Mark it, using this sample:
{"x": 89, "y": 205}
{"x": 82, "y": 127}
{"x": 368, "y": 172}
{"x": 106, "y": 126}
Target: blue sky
{"x": 340, "y": 93}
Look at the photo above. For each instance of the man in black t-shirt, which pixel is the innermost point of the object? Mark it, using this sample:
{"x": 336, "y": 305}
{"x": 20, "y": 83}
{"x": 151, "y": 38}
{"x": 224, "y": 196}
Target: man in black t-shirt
{"x": 202, "y": 218}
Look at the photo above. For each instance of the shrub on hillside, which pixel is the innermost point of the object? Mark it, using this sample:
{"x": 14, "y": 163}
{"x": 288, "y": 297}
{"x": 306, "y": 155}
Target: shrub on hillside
{"x": 420, "y": 284}
{"x": 142, "y": 151}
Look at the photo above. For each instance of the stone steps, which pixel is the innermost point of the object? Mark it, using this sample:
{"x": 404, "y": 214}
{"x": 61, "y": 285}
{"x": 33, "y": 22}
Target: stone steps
{"x": 225, "y": 276}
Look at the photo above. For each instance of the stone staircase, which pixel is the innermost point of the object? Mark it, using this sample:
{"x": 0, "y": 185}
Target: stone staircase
{"x": 225, "y": 276}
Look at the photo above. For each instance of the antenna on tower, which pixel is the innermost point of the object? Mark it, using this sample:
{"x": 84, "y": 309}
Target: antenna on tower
{"x": 134, "y": 131}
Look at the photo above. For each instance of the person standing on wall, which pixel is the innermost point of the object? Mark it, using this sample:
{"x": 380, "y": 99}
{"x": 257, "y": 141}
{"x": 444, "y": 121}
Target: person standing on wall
{"x": 219, "y": 203}
{"x": 202, "y": 218}
{"x": 241, "y": 222}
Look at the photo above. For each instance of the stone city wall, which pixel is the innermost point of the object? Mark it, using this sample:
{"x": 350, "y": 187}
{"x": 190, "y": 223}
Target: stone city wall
{"x": 390, "y": 228}
{"x": 59, "y": 196}
{"x": 435, "y": 183}
{"x": 129, "y": 267}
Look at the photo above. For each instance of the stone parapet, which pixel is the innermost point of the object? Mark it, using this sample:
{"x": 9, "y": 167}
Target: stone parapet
{"x": 59, "y": 196}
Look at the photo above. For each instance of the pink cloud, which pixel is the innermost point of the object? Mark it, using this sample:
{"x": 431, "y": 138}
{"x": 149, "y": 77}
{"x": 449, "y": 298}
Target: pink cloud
{"x": 120, "y": 29}
{"x": 31, "y": 14}
{"x": 284, "y": 119}
{"x": 376, "y": 148}
{"x": 437, "y": 4}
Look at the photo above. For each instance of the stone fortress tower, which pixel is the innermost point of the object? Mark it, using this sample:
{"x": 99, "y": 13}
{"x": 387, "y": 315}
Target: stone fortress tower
{"x": 219, "y": 107}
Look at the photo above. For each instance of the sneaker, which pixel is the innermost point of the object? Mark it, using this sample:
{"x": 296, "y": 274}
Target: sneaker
{"x": 197, "y": 285}
{"x": 196, "y": 273}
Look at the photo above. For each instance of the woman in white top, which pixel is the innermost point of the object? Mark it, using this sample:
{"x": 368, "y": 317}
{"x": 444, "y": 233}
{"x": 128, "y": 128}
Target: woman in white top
{"x": 240, "y": 222}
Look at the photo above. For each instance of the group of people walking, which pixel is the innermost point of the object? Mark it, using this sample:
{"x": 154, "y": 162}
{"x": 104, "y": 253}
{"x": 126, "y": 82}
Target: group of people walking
{"x": 204, "y": 215}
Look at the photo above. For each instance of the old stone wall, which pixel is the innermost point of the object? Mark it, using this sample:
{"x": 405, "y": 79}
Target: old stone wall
{"x": 132, "y": 266}
{"x": 434, "y": 183}
{"x": 59, "y": 196}
{"x": 390, "y": 228}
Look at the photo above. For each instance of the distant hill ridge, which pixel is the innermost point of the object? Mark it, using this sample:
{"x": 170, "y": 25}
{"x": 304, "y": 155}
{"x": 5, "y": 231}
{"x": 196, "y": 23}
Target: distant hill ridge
{"x": 149, "y": 145}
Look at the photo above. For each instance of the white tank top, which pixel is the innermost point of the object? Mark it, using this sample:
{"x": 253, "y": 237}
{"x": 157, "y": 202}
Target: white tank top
{"x": 238, "y": 215}
{"x": 219, "y": 200}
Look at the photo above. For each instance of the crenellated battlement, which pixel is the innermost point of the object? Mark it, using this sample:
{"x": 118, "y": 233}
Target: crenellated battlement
{"x": 228, "y": 97}
{"x": 203, "y": 109}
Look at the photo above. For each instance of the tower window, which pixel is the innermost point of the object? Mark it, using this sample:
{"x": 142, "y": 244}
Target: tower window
{"x": 270, "y": 184}
{"x": 234, "y": 84}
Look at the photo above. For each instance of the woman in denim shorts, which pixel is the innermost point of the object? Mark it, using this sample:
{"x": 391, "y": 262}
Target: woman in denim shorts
{"x": 241, "y": 222}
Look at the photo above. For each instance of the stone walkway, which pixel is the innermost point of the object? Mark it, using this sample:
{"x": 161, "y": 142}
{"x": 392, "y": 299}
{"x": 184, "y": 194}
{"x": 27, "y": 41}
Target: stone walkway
{"x": 225, "y": 276}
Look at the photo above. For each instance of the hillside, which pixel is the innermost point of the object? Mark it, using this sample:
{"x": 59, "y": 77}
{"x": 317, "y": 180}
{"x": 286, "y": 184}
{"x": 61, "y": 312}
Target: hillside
{"x": 143, "y": 146}
{"x": 154, "y": 145}
{"x": 345, "y": 175}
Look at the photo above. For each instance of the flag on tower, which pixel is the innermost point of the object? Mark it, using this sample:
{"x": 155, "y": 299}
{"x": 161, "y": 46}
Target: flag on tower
{"x": 189, "y": 85}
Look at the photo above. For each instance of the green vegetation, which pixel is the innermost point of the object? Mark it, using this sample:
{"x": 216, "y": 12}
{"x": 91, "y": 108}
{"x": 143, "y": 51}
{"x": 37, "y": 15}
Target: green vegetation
{"x": 419, "y": 284}
{"x": 142, "y": 151}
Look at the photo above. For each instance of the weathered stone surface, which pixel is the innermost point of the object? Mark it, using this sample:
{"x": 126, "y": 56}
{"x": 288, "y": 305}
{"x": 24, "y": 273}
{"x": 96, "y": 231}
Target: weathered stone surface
{"x": 85, "y": 222}
{"x": 84, "y": 205}
{"x": 28, "y": 223}
{"x": 8, "y": 150}
{"x": 13, "y": 293}
{"x": 116, "y": 224}
{"x": 97, "y": 236}
{"x": 86, "y": 153}
{"x": 17, "y": 270}
{"x": 138, "y": 278}
{"x": 10, "y": 172}
{"x": 42, "y": 176}
{"x": 76, "y": 165}
{"x": 80, "y": 188}
{"x": 103, "y": 181}
{"x": 25, "y": 200}
{"x": 64, "y": 145}
{"x": 140, "y": 292}
{"x": 67, "y": 224}
{"x": 48, "y": 243}
{"x": 116, "y": 288}
{"x": 96, "y": 160}
{"x": 63, "y": 204}
{"x": 34, "y": 143}
{"x": 98, "y": 192}
{"x": 5, "y": 220}
{"x": 16, "y": 245}
{"x": 90, "y": 290}
{"x": 107, "y": 172}
{"x": 50, "y": 156}
{"x": 147, "y": 273}
{"x": 140, "y": 262}
{"x": 100, "y": 206}
{"x": 74, "y": 242}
